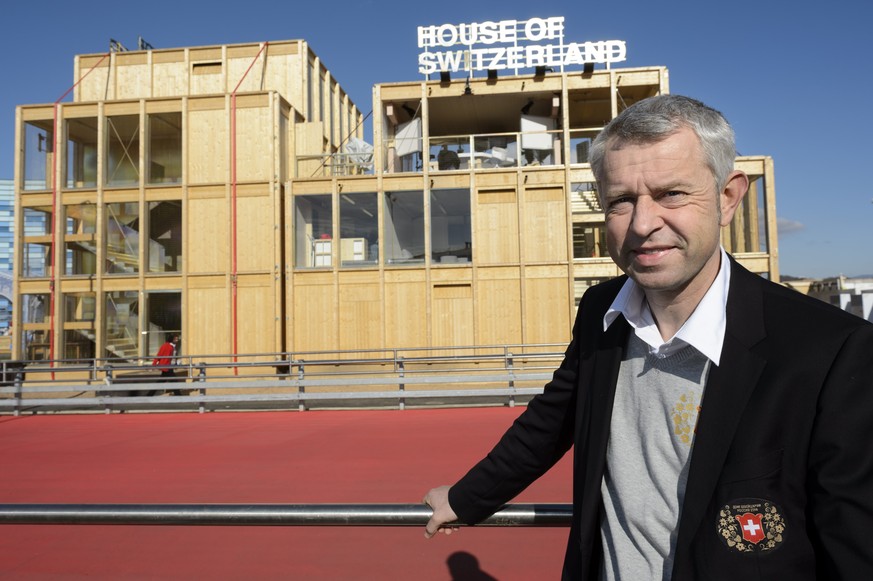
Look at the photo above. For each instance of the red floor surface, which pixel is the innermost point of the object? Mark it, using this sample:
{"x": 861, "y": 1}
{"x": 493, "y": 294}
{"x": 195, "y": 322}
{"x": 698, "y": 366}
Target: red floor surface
{"x": 262, "y": 457}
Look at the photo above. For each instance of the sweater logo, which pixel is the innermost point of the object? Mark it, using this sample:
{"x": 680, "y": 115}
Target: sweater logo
{"x": 684, "y": 415}
{"x": 751, "y": 525}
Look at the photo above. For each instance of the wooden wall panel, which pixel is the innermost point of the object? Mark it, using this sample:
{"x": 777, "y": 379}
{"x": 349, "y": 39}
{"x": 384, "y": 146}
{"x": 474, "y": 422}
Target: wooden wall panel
{"x": 256, "y": 316}
{"x": 545, "y": 225}
{"x": 497, "y": 227}
{"x": 254, "y": 144}
{"x": 498, "y": 306}
{"x": 208, "y": 313}
{"x": 98, "y": 86}
{"x": 208, "y": 146}
{"x": 207, "y": 77}
{"x": 132, "y": 81}
{"x": 452, "y": 315}
{"x": 546, "y": 318}
{"x": 405, "y": 309}
{"x": 208, "y": 235}
{"x": 315, "y": 317}
{"x": 256, "y": 233}
{"x": 360, "y": 316}
{"x": 170, "y": 79}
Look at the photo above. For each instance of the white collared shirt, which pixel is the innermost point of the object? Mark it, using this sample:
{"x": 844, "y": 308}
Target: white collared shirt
{"x": 704, "y": 329}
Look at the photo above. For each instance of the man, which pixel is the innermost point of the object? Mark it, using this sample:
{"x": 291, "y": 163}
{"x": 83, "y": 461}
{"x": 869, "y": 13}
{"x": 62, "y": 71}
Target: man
{"x": 689, "y": 352}
{"x": 165, "y": 358}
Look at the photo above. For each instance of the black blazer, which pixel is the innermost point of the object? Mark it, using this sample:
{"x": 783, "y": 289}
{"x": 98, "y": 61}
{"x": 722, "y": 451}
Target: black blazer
{"x": 784, "y": 434}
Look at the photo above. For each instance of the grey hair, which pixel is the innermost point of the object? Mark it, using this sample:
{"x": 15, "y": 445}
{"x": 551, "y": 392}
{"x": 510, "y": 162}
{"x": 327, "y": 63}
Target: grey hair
{"x": 656, "y": 118}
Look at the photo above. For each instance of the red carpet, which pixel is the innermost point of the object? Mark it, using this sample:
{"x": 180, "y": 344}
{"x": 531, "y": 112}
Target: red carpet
{"x": 262, "y": 457}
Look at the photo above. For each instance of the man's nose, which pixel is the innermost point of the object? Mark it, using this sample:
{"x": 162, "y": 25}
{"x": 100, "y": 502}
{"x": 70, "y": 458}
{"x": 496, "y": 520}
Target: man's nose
{"x": 646, "y": 216}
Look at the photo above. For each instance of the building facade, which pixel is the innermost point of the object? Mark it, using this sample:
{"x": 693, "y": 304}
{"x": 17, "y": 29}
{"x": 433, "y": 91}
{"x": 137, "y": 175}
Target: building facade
{"x": 225, "y": 193}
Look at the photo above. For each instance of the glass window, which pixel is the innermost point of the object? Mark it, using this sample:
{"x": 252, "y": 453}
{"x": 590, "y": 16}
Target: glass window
{"x": 79, "y": 243}
{"x": 122, "y": 324}
{"x": 37, "y": 259}
{"x": 38, "y": 158}
{"x": 35, "y": 326}
{"x": 450, "y": 238}
{"x": 403, "y": 236}
{"x": 589, "y": 240}
{"x": 79, "y": 316}
{"x": 122, "y": 238}
{"x": 122, "y": 144}
{"x": 359, "y": 229}
{"x": 313, "y": 226}
{"x": 165, "y": 236}
{"x": 165, "y": 148}
{"x": 164, "y": 318}
{"x": 81, "y": 153}
{"x": 584, "y": 198}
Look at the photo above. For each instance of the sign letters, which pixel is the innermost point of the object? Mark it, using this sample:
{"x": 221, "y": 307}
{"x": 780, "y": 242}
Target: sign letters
{"x": 509, "y": 44}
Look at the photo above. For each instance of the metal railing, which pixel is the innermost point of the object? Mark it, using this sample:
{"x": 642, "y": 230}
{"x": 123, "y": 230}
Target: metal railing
{"x": 388, "y": 377}
{"x": 412, "y": 515}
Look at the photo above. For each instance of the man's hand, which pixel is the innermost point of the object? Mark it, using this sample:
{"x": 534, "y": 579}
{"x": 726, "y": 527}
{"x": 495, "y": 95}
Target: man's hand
{"x": 438, "y": 500}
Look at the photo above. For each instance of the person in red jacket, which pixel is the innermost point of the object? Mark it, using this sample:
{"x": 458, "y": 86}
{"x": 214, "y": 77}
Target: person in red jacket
{"x": 165, "y": 358}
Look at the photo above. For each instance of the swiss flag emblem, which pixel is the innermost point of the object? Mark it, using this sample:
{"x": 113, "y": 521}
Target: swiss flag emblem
{"x": 750, "y": 524}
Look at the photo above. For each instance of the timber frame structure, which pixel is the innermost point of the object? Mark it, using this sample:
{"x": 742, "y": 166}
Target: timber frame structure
{"x": 225, "y": 193}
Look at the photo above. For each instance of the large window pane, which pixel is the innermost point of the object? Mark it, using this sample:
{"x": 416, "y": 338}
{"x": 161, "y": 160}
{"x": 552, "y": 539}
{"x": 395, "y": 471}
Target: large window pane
{"x": 122, "y": 144}
{"x": 122, "y": 238}
{"x": 165, "y": 236}
{"x": 35, "y": 330}
{"x": 313, "y": 226}
{"x": 122, "y": 324}
{"x": 450, "y": 241}
{"x": 165, "y": 148}
{"x": 38, "y": 157}
{"x": 79, "y": 241}
{"x": 81, "y": 153}
{"x": 359, "y": 229}
{"x": 37, "y": 258}
{"x": 403, "y": 236}
{"x": 164, "y": 318}
{"x": 79, "y": 315}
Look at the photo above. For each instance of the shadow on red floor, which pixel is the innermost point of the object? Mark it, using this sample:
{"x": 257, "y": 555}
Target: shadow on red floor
{"x": 262, "y": 457}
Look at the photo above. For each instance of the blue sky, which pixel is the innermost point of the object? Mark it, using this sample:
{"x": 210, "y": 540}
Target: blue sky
{"x": 793, "y": 78}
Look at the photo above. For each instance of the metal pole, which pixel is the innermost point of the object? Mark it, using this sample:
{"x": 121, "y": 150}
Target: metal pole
{"x": 413, "y": 515}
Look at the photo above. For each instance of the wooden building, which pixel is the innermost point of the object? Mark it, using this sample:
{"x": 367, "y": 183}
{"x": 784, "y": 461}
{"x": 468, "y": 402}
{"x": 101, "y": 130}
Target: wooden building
{"x": 224, "y": 192}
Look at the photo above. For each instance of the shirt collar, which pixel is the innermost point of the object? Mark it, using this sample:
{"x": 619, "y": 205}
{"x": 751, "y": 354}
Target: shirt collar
{"x": 704, "y": 330}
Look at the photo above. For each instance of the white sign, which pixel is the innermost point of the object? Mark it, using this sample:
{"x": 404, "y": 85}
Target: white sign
{"x": 509, "y": 44}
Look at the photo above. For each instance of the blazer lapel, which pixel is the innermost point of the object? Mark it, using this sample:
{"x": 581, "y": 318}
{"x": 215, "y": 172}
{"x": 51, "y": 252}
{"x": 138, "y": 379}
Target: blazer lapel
{"x": 597, "y": 410}
{"x": 728, "y": 388}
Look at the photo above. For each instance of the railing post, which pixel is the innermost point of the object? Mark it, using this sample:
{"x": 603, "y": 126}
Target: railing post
{"x": 106, "y": 408}
{"x": 17, "y": 383}
{"x": 301, "y": 389}
{"x": 511, "y": 370}
{"x": 201, "y": 378}
{"x": 402, "y": 372}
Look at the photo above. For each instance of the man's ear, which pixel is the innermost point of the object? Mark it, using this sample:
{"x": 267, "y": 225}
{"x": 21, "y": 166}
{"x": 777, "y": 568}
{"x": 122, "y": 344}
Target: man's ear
{"x": 732, "y": 195}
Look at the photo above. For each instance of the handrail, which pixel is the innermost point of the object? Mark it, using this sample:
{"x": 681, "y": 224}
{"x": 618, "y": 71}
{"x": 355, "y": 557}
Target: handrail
{"x": 412, "y": 515}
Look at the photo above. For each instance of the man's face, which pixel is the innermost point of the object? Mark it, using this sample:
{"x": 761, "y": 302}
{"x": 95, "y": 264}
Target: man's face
{"x": 663, "y": 217}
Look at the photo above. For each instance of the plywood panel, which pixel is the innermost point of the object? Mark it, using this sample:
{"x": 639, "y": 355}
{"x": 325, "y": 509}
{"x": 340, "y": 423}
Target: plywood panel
{"x": 255, "y": 233}
{"x": 360, "y": 316}
{"x": 545, "y": 225}
{"x": 132, "y": 81}
{"x": 406, "y": 312}
{"x": 207, "y": 147}
{"x": 498, "y": 308}
{"x": 254, "y": 144}
{"x": 256, "y": 316}
{"x": 208, "y": 313}
{"x": 546, "y": 310}
{"x": 208, "y": 235}
{"x": 170, "y": 79}
{"x": 452, "y": 315}
{"x": 497, "y": 227}
{"x": 315, "y": 318}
